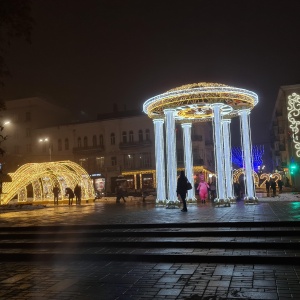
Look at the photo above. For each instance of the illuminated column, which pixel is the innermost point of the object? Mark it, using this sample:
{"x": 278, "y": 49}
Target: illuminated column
{"x": 219, "y": 153}
{"x": 227, "y": 159}
{"x": 188, "y": 159}
{"x": 160, "y": 161}
{"x": 171, "y": 158}
{"x": 247, "y": 156}
{"x": 134, "y": 180}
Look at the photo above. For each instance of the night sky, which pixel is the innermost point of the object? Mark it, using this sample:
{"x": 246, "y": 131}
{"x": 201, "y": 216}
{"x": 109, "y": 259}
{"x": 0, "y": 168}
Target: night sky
{"x": 87, "y": 55}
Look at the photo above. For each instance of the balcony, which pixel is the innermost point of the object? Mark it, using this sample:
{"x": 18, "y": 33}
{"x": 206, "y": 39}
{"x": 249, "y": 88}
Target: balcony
{"x": 92, "y": 150}
{"x": 133, "y": 145}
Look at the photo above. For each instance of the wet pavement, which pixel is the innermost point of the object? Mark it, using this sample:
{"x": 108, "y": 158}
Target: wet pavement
{"x": 113, "y": 279}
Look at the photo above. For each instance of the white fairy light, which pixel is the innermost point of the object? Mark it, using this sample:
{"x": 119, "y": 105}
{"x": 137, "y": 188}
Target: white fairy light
{"x": 188, "y": 159}
{"x": 219, "y": 155}
{"x": 247, "y": 156}
{"x": 293, "y": 112}
{"x": 227, "y": 161}
{"x": 160, "y": 161}
{"x": 201, "y": 102}
{"x": 171, "y": 157}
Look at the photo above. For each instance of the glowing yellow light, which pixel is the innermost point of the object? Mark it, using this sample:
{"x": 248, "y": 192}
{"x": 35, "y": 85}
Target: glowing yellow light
{"x": 237, "y": 173}
{"x": 43, "y": 176}
{"x": 199, "y": 96}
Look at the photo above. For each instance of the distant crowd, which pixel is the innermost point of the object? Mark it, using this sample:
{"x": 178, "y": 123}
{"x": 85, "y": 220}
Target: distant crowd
{"x": 68, "y": 192}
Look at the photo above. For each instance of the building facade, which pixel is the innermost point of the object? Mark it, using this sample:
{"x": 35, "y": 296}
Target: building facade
{"x": 24, "y": 117}
{"x": 114, "y": 144}
{"x": 283, "y": 133}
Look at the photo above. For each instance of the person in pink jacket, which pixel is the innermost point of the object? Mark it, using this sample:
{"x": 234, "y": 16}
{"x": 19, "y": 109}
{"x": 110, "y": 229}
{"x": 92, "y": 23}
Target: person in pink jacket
{"x": 203, "y": 188}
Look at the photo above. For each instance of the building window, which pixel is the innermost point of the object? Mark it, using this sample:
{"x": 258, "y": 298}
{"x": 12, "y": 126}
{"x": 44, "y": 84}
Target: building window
{"x": 129, "y": 161}
{"x": 112, "y": 139}
{"x": 147, "y": 135}
{"x": 100, "y": 162}
{"x": 59, "y": 145}
{"x": 124, "y": 137}
{"x": 145, "y": 160}
{"x": 79, "y": 142}
{"x": 66, "y": 144}
{"x": 94, "y": 141}
{"x": 28, "y": 116}
{"x": 83, "y": 162}
{"x": 101, "y": 140}
{"x": 17, "y": 149}
{"x": 131, "y": 136}
{"x": 113, "y": 161}
{"x": 141, "y": 135}
{"x": 85, "y": 141}
{"x": 28, "y": 148}
{"x": 28, "y": 132}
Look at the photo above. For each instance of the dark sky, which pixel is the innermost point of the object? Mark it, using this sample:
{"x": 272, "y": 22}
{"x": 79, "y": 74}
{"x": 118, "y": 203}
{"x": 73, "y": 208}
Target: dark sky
{"x": 89, "y": 54}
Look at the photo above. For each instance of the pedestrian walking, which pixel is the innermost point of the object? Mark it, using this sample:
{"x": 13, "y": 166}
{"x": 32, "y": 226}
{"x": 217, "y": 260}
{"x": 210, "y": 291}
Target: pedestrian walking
{"x": 120, "y": 192}
{"x": 213, "y": 188}
{"x": 280, "y": 185}
{"x": 273, "y": 187}
{"x": 56, "y": 191}
{"x": 70, "y": 193}
{"x": 237, "y": 190}
{"x": 77, "y": 192}
{"x": 181, "y": 189}
{"x": 268, "y": 188}
{"x": 203, "y": 189}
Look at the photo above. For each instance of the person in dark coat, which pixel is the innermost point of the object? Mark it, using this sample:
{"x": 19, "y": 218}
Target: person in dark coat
{"x": 273, "y": 187}
{"x": 280, "y": 185}
{"x": 268, "y": 187}
{"x": 56, "y": 191}
{"x": 77, "y": 192}
{"x": 182, "y": 189}
{"x": 237, "y": 190}
{"x": 70, "y": 193}
{"x": 120, "y": 191}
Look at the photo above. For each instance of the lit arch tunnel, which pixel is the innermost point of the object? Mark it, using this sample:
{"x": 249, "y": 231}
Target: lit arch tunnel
{"x": 40, "y": 178}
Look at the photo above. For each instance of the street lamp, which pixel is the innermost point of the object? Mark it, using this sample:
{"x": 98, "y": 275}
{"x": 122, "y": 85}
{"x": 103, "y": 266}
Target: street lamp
{"x": 46, "y": 140}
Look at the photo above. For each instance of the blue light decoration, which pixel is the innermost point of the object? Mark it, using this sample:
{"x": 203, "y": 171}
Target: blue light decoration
{"x": 257, "y": 154}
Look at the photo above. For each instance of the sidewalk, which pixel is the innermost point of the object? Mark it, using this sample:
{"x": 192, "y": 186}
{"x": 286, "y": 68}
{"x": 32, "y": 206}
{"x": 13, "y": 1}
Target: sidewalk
{"x": 149, "y": 280}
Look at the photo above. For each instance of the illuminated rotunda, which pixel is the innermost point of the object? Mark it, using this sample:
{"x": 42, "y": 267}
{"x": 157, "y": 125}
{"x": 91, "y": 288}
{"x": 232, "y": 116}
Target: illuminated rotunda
{"x": 201, "y": 102}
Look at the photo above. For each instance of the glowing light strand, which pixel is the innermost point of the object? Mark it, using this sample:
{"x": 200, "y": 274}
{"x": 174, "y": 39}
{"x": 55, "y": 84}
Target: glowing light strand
{"x": 49, "y": 173}
{"x": 227, "y": 160}
{"x": 219, "y": 155}
{"x": 160, "y": 161}
{"x": 246, "y": 144}
{"x": 257, "y": 153}
{"x": 171, "y": 158}
{"x": 293, "y": 113}
{"x": 188, "y": 159}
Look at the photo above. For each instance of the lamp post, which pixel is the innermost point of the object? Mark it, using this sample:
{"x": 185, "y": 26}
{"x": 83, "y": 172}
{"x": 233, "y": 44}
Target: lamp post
{"x": 46, "y": 140}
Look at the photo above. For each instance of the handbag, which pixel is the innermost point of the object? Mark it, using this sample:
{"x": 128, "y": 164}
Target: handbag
{"x": 188, "y": 186}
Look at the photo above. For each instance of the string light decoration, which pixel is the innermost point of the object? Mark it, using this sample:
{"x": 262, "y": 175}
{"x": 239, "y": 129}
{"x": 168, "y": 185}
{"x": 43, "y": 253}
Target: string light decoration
{"x": 43, "y": 177}
{"x": 264, "y": 177}
{"x": 257, "y": 154}
{"x": 293, "y": 117}
{"x": 201, "y": 102}
{"x": 237, "y": 174}
{"x": 193, "y": 101}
